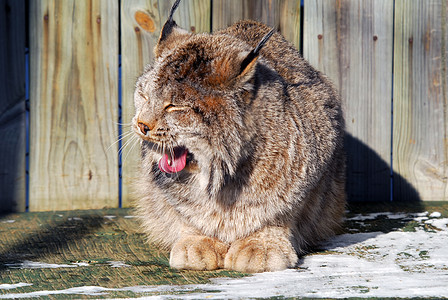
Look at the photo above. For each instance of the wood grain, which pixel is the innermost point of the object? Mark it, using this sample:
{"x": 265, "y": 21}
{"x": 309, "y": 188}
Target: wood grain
{"x": 74, "y": 104}
{"x": 140, "y": 28}
{"x": 420, "y": 141}
{"x": 284, "y": 15}
{"x": 227, "y": 12}
{"x": 137, "y": 43}
{"x": 352, "y": 43}
{"x": 86, "y": 243}
{"x": 12, "y": 105}
{"x": 290, "y": 21}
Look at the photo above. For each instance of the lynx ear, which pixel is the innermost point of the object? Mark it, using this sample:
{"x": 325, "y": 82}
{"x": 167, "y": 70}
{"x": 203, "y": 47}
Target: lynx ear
{"x": 171, "y": 33}
{"x": 248, "y": 63}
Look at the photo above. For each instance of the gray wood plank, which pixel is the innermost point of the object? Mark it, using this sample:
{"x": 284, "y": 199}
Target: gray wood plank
{"x": 74, "y": 104}
{"x": 284, "y": 15}
{"x": 420, "y": 100}
{"x": 352, "y": 43}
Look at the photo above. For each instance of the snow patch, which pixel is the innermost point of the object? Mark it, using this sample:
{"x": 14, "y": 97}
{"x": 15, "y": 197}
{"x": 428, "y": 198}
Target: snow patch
{"x": 118, "y": 264}
{"x": 8, "y": 221}
{"x": 435, "y": 214}
{"x": 373, "y": 216}
{"x": 26, "y": 264}
{"x": 14, "y": 286}
{"x": 37, "y": 265}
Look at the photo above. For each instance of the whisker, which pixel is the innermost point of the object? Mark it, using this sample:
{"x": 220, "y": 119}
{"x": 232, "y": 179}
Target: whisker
{"x": 123, "y": 124}
{"x": 135, "y": 142}
{"x": 171, "y": 151}
{"x": 131, "y": 140}
{"x": 124, "y": 135}
{"x": 120, "y": 138}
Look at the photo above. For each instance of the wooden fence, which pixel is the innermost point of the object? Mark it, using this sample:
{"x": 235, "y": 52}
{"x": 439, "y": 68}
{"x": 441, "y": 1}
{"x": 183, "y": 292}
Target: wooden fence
{"x": 388, "y": 59}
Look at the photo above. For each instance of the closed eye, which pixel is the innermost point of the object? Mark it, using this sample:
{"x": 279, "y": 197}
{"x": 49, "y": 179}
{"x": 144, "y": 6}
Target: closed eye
{"x": 172, "y": 108}
{"x": 143, "y": 96}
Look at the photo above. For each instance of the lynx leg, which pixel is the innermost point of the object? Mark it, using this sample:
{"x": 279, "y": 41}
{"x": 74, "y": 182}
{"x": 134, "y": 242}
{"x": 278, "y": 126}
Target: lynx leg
{"x": 264, "y": 251}
{"x": 196, "y": 252}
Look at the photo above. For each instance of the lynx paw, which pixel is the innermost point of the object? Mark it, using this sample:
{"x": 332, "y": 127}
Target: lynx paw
{"x": 198, "y": 253}
{"x": 254, "y": 255}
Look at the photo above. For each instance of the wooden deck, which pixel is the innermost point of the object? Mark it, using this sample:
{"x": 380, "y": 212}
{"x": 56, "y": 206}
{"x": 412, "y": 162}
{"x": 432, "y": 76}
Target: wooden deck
{"x": 104, "y": 249}
{"x": 107, "y": 241}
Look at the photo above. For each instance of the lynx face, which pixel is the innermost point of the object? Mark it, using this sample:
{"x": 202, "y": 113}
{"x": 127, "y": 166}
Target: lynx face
{"x": 190, "y": 104}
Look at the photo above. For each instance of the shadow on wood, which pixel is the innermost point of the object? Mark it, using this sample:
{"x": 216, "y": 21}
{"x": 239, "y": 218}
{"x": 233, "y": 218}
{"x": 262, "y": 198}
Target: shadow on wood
{"x": 369, "y": 176}
{"x": 54, "y": 238}
{"x": 12, "y": 106}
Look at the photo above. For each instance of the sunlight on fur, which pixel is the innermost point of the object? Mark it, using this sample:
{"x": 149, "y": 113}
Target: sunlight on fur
{"x": 243, "y": 164}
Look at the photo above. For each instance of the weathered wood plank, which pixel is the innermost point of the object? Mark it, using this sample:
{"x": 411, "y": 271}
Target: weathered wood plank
{"x": 192, "y": 15}
{"x": 73, "y": 95}
{"x": 227, "y": 12}
{"x": 12, "y": 105}
{"x": 420, "y": 143}
{"x": 140, "y": 28}
{"x": 284, "y": 15}
{"x": 352, "y": 43}
{"x": 290, "y": 21}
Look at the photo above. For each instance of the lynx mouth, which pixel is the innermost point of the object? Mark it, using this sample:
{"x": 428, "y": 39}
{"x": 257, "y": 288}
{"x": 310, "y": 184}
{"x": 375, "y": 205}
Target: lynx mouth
{"x": 173, "y": 161}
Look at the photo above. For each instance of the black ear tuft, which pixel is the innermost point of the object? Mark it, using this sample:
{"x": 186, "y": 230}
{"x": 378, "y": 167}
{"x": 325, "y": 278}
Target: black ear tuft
{"x": 264, "y": 40}
{"x": 173, "y": 9}
{"x": 170, "y": 23}
{"x": 252, "y": 56}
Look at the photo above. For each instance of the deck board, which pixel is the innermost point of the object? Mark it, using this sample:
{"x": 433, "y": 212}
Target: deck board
{"x": 85, "y": 248}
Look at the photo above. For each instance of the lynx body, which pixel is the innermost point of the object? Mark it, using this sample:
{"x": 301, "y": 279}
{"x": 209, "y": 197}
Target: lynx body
{"x": 242, "y": 150}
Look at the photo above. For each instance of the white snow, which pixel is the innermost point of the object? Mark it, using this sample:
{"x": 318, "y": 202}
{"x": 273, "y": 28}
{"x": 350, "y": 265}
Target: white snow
{"x": 26, "y": 264}
{"x": 81, "y": 264}
{"x": 435, "y": 214}
{"x": 373, "y": 216}
{"x": 13, "y": 286}
{"x": 38, "y": 265}
{"x": 8, "y": 221}
{"x": 375, "y": 264}
{"x": 118, "y": 264}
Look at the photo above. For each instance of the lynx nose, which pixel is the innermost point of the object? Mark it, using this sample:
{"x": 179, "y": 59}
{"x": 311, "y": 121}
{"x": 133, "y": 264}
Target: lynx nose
{"x": 143, "y": 127}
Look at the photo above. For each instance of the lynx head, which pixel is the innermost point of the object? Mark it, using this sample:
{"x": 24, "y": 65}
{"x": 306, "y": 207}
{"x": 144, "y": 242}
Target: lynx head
{"x": 190, "y": 103}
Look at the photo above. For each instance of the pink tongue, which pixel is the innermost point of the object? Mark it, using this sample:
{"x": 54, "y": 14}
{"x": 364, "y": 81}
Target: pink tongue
{"x": 178, "y": 161}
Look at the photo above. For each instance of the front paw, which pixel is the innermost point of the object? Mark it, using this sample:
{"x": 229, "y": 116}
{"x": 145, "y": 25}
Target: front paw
{"x": 198, "y": 253}
{"x": 255, "y": 255}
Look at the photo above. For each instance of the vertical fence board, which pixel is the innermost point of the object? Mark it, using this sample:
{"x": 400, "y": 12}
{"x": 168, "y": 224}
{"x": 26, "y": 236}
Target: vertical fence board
{"x": 352, "y": 43}
{"x": 284, "y": 15}
{"x": 227, "y": 12}
{"x": 74, "y": 104}
{"x": 290, "y": 21}
{"x": 192, "y": 15}
{"x": 140, "y": 29}
{"x": 12, "y": 105}
{"x": 420, "y": 99}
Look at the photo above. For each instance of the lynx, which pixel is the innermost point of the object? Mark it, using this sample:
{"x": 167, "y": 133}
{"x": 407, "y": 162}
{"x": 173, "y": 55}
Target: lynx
{"x": 243, "y": 165}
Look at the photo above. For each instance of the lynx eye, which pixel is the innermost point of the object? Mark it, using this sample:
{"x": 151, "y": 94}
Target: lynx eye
{"x": 143, "y": 96}
{"x": 171, "y": 108}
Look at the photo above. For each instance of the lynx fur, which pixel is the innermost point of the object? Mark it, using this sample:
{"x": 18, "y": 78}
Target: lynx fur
{"x": 243, "y": 164}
